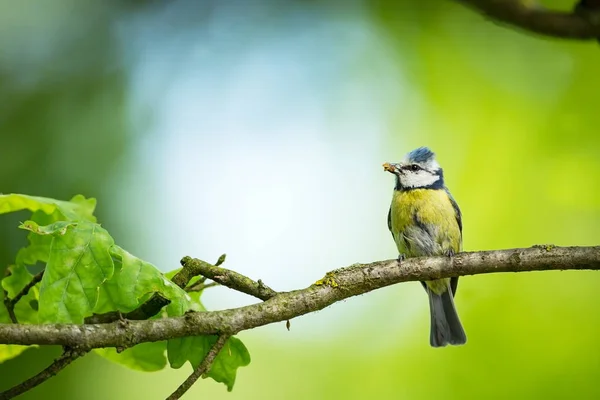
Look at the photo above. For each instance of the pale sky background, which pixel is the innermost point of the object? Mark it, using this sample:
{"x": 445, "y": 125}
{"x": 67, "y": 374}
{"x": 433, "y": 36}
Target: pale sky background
{"x": 228, "y": 117}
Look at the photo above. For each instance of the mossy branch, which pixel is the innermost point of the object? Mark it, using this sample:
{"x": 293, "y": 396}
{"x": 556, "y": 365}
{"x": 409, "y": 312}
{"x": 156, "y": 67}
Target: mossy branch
{"x": 338, "y": 285}
{"x": 194, "y": 267}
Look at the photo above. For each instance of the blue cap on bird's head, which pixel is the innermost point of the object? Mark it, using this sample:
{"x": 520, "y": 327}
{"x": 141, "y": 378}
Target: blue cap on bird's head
{"x": 420, "y": 155}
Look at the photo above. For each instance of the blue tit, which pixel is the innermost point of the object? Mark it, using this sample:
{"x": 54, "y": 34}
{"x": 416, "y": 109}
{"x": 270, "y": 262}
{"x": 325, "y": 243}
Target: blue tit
{"x": 425, "y": 220}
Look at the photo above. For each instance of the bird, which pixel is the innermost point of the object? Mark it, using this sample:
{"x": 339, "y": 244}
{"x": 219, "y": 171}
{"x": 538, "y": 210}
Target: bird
{"x": 425, "y": 220}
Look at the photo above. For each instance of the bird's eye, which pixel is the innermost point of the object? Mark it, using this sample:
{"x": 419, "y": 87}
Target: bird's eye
{"x": 414, "y": 167}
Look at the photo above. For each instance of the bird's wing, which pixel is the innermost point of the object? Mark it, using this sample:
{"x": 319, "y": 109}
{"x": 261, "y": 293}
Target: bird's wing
{"x": 389, "y": 220}
{"x": 454, "y": 281}
{"x": 456, "y": 211}
{"x": 442, "y": 237}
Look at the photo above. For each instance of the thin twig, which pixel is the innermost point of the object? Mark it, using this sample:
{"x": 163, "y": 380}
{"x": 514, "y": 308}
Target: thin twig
{"x": 148, "y": 309}
{"x": 202, "y": 369}
{"x": 11, "y": 303}
{"x": 194, "y": 267}
{"x": 183, "y": 277}
{"x": 34, "y": 281}
{"x": 68, "y": 356}
{"x": 10, "y": 308}
{"x": 198, "y": 286}
{"x": 338, "y": 285}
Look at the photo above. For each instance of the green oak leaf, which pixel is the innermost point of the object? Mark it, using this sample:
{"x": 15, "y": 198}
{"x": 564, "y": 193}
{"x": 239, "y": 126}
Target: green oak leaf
{"x": 8, "y": 351}
{"x": 13, "y": 284}
{"x": 17, "y": 279}
{"x": 142, "y": 357}
{"x": 78, "y": 264}
{"x": 39, "y": 245}
{"x": 45, "y": 211}
{"x": 87, "y": 273}
{"x": 77, "y": 209}
{"x": 233, "y": 355}
{"x": 195, "y": 296}
{"x": 193, "y": 349}
{"x": 133, "y": 282}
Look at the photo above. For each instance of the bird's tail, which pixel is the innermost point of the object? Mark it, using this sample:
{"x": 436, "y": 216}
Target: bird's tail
{"x": 445, "y": 324}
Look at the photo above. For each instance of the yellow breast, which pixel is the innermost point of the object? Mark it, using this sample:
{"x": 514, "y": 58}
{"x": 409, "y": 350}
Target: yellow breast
{"x": 423, "y": 222}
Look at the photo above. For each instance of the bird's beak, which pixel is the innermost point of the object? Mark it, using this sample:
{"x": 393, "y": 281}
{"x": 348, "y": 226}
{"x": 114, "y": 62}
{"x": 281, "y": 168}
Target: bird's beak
{"x": 393, "y": 168}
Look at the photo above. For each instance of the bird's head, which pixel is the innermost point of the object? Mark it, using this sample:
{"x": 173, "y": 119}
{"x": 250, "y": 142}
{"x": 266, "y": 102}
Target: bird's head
{"x": 419, "y": 169}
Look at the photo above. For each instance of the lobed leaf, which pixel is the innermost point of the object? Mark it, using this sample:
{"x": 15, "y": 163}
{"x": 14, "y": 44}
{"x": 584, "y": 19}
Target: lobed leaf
{"x": 12, "y": 284}
{"x": 26, "y": 310}
{"x": 193, "y": 349}
{"x": 194, "y": 296}
{"x": 39, "y": 245}
{"x": 147, "y": 357}
{"x": 16, "y": 279}
{"x": 8, "y": 351}
{"x": 77, "y": 209}
{"x": 133, "y": 282}
{"x": 78, "y": 264}
{"x": 87, "y": 273}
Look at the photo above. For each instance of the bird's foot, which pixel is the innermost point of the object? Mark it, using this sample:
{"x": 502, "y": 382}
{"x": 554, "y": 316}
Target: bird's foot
{"x": 401, "y": 257}
{"x": 450, "y": 253}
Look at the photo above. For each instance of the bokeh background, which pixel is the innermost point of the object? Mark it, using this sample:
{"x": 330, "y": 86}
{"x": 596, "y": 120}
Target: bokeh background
{"x": 258, "y": 129}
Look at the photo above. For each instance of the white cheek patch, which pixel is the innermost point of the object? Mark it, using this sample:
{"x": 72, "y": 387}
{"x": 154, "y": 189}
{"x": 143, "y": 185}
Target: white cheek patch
{"x": 418, "y": 179}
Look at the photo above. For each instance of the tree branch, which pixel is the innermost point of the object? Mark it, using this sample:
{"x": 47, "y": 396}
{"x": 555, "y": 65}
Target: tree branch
{"x": 337, "y": 285}
{"x": 68, "y": 356}
{"x": 534, "y": 18}
{"x": 146, "y": 310}
{"x": 223, "y": 276}
{"x": 157, "y": 301}
{"x": 203, "y": 368}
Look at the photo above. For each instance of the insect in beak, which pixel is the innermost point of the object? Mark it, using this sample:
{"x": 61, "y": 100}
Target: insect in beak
{"x": 393, "y": 168}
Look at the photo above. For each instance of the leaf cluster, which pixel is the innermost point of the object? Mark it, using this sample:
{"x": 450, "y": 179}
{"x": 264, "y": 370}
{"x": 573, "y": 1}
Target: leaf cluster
{"x": 83, "y": 272}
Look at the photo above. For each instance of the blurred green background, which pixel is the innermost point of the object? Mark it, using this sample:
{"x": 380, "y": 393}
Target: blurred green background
{"x": 259, "y": 130}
